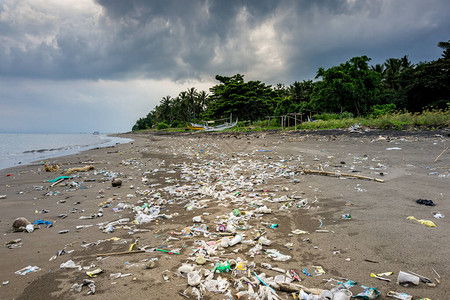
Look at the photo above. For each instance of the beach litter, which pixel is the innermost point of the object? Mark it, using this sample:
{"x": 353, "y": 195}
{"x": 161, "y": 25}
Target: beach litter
{"x": 22, "y": 224}
{"x": 405, "y": 278}
{"x": 438, "y": 215}
{"x": 16, "y": 243}
{"x": 94, "y": 273}
{"x": 51, "y": 168}
{"x": 27, "y": 270}
{"x": 424, "y": 222}
{"x": 425, "y": 202}
{"x": 231, "y": 213}
{"x": 397, "y": 295}
{"x": 70, "y": 264}
{"x": 86, "y": 282}
{"x": 47, "y": 224}
{"x": 368, "y": 293}
{"x": 80, "y": 169}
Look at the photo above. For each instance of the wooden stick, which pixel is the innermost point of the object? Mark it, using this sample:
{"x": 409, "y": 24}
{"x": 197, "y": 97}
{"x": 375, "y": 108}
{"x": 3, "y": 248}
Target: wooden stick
{"x": 436, "y": 273}
{"x": 440, "y": 154}
{"x": 292, "y": 287}
{"x": 341, "y": 174}
{"x": 56, "y": 182}
{"x": 121, "y": 253}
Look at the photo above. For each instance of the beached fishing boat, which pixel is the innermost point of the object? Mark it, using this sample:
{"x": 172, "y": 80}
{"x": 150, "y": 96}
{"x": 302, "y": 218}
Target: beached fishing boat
{"x": 221, "y": 127}
{"x": 194, "y": 126}
{"x": 206, "y": 127}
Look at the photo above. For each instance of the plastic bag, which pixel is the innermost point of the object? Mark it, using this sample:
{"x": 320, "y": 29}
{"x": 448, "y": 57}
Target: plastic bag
{"x": 264, "y": 241}
{"x": 70, "y": 264}
{"x": 194, "y": 278}
{"x": 424, "y": 222}
{"x": 277, "y": 256}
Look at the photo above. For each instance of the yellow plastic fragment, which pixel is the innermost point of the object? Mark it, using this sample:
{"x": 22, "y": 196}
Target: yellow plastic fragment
{"x": 385, "y": 274}
{"x": 131, "y": 247}
{"x": 319, "y": 270}
{"x": 94, "y": 273}
{"x": 298, "y": 231}
{"x": 424, "y": 222}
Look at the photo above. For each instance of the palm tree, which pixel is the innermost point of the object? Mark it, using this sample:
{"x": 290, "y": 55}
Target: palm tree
{"x": 301, "y": 91}
{"x": 202, "y": 100}
{"x": 379, "y": 68}
{"x": 446, "y": 47}
{"x": 192, "y": 103}
{"x": 393, "y": 67}
{"x": 184, "y": 106}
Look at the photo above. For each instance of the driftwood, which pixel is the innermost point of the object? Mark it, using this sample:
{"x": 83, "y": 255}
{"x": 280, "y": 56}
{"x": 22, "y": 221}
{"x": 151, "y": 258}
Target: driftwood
{"x": 291, "y": 288}
{"x": 341, "y": 174}
{"x": 440, "y": 154}
{"x": 120, "y": 253}
{"x": 82, "y": 169}
{"x": 57, "y": 181}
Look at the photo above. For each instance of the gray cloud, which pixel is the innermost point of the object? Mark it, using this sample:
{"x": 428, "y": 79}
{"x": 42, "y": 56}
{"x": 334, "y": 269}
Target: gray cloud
{"x": 75, "y": 45}
{"x": 176, "y": 39}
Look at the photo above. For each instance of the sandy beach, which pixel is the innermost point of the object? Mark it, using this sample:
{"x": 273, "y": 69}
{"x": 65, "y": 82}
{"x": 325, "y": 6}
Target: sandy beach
{"x": 259, "y": 183}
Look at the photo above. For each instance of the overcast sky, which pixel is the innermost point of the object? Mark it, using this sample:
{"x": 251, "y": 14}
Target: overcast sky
{"x": 99, "y": 65}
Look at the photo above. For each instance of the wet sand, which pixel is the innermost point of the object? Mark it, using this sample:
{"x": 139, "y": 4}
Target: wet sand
{"x": 227, "y": 171}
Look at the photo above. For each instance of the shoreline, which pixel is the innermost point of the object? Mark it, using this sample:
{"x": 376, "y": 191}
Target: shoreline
{"x": 48, "y": 154}
{"x": 177, "y": 165}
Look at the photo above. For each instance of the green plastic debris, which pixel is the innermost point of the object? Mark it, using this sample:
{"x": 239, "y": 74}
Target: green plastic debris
{"x": 58, "y": 178}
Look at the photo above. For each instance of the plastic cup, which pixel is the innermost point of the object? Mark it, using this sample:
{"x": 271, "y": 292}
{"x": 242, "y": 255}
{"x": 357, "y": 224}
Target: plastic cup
{"x": 404, "y": 277}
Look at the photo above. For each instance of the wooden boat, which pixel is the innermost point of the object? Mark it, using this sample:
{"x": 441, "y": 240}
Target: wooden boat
{"x": 221, "y": 127}
{"x": 205, "y": 127}
{"x": 193, "y": 126}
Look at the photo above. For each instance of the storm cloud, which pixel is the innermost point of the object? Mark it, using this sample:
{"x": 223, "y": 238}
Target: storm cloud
{"x": 87, "y": 43}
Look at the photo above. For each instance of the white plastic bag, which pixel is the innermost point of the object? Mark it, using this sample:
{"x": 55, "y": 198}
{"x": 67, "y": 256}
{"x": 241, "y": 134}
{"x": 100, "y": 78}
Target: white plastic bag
{"x": 194, "y": 278}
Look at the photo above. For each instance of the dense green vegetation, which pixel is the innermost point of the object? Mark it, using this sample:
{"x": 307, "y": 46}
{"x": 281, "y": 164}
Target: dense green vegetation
{"x": 389, "y": 95}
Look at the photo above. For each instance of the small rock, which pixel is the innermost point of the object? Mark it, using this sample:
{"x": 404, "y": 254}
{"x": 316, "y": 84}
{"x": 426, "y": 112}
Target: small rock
{"x": 116, "y": 182}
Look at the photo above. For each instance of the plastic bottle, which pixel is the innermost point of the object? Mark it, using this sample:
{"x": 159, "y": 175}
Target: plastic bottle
{"x": 237, "y": 239}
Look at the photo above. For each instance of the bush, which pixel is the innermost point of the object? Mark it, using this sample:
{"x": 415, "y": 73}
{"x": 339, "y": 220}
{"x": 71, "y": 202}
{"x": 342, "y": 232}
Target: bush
{"x": 162, "y": 125}
{"x": 332, "y": 116}
{"x": 176, "y": 124}
{"x": 382, "y": 109}
{"x": 326, "y": 116}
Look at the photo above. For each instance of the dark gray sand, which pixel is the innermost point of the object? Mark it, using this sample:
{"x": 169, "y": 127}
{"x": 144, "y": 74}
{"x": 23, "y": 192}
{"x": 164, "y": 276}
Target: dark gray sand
{"x": 234, "y": 171}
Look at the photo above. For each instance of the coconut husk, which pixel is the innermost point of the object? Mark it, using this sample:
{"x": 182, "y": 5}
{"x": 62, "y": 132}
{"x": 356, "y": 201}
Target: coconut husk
{"x": 116, "y": 182}
{"x": 19, "y": 224}
{"x": 51, "y": 168}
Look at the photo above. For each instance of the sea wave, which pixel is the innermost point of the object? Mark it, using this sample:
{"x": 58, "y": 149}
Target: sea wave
{"x": 22, "y": 149}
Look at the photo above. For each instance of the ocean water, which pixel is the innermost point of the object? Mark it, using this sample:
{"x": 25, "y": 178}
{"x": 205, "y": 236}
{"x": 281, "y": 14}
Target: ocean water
{"x": 20, "y": 149}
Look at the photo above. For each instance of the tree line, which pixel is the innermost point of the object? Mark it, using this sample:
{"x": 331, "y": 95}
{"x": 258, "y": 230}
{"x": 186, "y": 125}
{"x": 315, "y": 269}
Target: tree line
{"x": 353, "y": 87}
